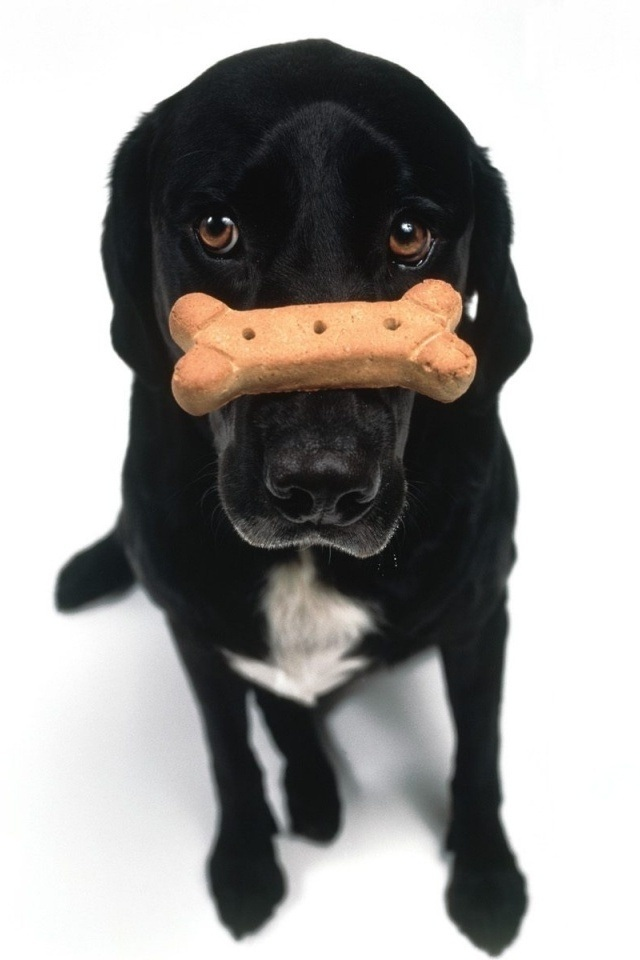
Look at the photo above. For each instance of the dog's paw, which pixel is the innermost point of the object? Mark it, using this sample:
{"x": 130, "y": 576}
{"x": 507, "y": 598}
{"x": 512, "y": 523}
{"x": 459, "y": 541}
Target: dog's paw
{"x": 246, "y": 884}
{"x": 487, "y": 903}
{"x": 313, "y": 803}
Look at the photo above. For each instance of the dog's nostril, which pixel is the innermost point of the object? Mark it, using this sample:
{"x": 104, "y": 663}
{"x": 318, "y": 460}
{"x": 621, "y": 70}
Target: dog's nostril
{"x": 295, "y": 502}
{"x": 352, "y": 505}
{"x": 365, "y": 495}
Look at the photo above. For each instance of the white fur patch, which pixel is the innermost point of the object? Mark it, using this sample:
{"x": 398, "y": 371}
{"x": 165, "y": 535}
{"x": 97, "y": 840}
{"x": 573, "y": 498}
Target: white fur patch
{"x": 311, "y": 629}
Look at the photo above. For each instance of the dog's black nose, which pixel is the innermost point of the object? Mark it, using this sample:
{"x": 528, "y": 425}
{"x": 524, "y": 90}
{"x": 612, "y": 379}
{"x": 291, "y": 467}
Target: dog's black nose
{"x": 325, "y": 488}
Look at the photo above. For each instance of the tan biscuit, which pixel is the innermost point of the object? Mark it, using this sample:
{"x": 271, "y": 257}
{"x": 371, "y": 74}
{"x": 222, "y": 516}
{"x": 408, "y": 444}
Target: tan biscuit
{"x": 402, "y": 343}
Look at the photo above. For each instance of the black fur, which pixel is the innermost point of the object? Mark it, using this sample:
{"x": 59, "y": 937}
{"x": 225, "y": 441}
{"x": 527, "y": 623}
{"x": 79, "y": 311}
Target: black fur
{"x": 313, "y": 149}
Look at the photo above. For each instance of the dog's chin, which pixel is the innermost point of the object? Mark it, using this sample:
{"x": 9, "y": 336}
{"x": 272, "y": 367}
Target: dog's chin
{"x": 361, "y": 540}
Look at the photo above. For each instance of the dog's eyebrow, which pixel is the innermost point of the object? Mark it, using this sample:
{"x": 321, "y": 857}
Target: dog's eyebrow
{"x": 445, "y": 216}
{"x": 183, "y": 199}
{"x": 194, "y": 171}
{"x": 199, "y": 197}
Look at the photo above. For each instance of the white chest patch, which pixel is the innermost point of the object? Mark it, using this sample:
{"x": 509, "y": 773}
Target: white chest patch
{"x": 311, "y": 627}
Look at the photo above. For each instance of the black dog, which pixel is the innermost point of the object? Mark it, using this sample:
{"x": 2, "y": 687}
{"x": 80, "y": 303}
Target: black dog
{"x": 295, "y": 540}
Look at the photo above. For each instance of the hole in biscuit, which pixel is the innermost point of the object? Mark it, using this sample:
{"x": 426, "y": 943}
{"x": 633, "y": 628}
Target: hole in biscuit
{"x": 391, "y": 323}
{"x": 319, "y": 326}
{"x": 248, "y": 333}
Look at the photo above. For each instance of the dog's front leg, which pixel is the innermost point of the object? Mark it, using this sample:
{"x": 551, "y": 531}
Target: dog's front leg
{"x": 486, "y": 897}
{"x": 245, "y": 878}
{"x": 309, "y": 781}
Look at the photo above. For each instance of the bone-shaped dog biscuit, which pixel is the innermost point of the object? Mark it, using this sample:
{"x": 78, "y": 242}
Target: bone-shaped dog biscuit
{"x": 401, "y": 343}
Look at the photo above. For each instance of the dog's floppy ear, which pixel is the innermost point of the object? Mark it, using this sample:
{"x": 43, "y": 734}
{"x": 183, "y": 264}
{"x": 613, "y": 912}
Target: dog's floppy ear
{"x": 126, "y": 256}
{"x": 500, "y": 334}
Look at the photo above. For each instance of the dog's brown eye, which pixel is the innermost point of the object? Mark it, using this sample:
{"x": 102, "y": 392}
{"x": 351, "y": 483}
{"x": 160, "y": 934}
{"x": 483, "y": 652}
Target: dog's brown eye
{"x": 218, "y": 234}
{"x": 409, "y": 240}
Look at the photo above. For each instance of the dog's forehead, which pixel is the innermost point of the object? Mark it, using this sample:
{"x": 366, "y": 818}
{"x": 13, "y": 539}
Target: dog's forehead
{"x": 322, "y": 149}
{"x": 239, "y": 107}
{"x": 316, "y": 137}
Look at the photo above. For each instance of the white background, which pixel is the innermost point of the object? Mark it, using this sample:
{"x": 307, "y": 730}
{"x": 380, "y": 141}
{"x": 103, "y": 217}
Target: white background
{"x": 107, "y": 809}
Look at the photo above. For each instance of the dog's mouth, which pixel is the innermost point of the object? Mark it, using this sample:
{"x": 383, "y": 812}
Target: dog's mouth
{"x": 357, "y": 519}
{"x": 362, "y": 538}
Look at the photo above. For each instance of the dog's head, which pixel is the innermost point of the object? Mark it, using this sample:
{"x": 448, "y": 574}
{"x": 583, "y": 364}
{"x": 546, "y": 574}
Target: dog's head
{"x": 308, "y": 173}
